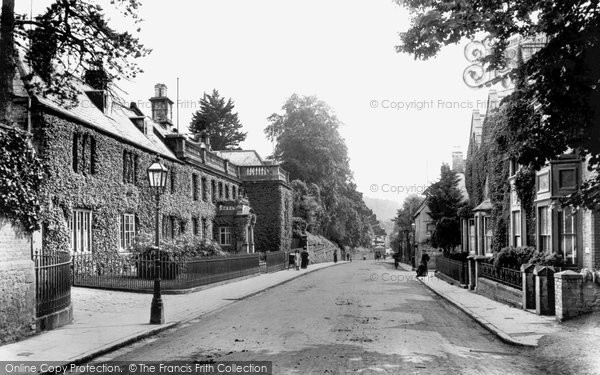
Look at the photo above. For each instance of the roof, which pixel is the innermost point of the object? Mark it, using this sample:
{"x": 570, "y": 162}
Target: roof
{"x": 486, "y": 205}
{"x": 241, "y": 157}
{"x": 116, "y": 122}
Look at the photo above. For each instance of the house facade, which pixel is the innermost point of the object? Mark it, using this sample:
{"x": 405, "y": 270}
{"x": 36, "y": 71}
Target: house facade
{"x": 96, "y": 199}
{"x": 572, "y": 234}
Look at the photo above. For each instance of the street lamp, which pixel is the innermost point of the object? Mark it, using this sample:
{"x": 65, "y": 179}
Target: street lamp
{"x": 157, "y": 177}
{"x": 407, "y": 247}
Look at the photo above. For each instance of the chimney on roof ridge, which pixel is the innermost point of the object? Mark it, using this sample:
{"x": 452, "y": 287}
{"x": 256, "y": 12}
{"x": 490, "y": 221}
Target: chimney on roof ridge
{"x": 162, "y": 106}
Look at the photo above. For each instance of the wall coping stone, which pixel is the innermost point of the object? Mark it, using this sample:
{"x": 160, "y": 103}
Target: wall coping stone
{"x": 568, "y": 274}
{"x": 527, "y": 267}
{"x": 543, "y": 270}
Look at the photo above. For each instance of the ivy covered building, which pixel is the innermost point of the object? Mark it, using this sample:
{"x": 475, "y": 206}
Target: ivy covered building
{"x": 95, "y": 197}
{"x": 513, "y": 206}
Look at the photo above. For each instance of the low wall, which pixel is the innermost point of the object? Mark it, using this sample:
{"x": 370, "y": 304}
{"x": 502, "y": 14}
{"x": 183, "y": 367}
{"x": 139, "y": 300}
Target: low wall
{"x": 576, "y": 294}
{"x": 17, "y": 284}
{"x": 499, "y": 292}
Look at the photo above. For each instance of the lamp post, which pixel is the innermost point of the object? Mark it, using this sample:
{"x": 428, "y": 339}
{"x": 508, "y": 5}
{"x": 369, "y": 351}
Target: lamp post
{"x": 407, "y": 247}
{"x": 157, "y": 177}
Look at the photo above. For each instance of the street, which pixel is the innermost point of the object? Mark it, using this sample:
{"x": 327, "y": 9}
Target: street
{"x": 364, "y": 317}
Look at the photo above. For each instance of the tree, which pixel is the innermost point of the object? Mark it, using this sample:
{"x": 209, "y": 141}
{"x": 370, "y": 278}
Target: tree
{"x": 444, "y": 200}
{"x": 404, "y": 216}
{"x": 310, "y": 148}
{"x": 556, "y": 104}
{"x": 70, "y": 38}
{"x": 217, "y": 119}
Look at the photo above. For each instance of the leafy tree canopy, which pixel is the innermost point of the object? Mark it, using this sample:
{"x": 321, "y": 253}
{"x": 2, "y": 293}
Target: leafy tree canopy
{"x": 68, "y": 39}
{"x": 556, "y": 104}
{"x": 444, "y": 200}
{"x": 217, "y": 119}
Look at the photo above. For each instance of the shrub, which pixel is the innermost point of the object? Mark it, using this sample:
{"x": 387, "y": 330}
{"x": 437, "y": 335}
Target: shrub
{"x": 512, "y": 257}
{"x": 181, "y": 248}
{"x": 298, "y": 227}
{"x": 547, "y": 258}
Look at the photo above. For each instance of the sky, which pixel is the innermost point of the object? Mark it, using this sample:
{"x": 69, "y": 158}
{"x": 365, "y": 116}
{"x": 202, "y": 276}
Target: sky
{"x": 402, "y": 118}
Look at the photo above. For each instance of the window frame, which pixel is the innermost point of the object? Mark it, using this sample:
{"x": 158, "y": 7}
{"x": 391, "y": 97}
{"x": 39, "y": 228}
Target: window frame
{"x": 126, "y": 237}
{"x": 225, "y": 236}
{"x": 80, "y": 229}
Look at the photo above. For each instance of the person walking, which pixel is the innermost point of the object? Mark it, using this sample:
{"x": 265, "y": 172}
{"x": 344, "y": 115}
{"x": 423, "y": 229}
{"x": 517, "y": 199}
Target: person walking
{"x": 304, "y": 256}
{"x": 297, "y": 260}
{"x": 335, "y": 257}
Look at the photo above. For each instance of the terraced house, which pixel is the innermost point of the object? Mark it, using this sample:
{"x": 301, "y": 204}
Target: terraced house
{"x": 499, "y": 217}
{"x": 96, "y": 197}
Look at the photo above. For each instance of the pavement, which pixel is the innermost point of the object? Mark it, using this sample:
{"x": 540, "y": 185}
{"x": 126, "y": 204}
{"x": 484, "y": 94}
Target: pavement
{"x": 106, "y": 320}
{"x": 512, "y": 325}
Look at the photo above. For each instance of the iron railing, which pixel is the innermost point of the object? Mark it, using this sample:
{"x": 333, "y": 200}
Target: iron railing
{"x": 137, "y": 272}
{"x": 276, "y": 260}
{"x": 454, "y": 269}
{"x": 507, "y": 276}
{"x": 52, "y": 282}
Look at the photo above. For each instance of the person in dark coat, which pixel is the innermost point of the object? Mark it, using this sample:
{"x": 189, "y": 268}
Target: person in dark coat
{"x": 304, "y": 256}
{"x": 335, "y": 257}
{"x": 422, "y": 269}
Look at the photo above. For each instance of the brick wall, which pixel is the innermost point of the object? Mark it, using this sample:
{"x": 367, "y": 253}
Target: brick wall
{"x": 17, "y": 284}
{"x": 575, "y": 294}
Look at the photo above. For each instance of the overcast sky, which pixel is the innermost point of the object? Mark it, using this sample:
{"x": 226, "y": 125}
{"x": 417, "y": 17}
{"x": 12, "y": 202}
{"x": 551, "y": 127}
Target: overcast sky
{"x": 260, "y": 52}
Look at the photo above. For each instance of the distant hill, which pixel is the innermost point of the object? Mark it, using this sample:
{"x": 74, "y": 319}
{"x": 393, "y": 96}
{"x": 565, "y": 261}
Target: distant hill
{"x": 384, "y": 209}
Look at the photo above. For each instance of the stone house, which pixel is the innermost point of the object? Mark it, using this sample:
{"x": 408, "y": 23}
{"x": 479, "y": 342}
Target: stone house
{"x": 95, "y": 196}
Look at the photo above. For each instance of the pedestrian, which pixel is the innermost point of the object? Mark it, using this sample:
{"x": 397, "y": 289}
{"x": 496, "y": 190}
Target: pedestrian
{"x": 304, "y": 256}
{"x": 348, "y": 257}
{"x": 297, "y": 260}
{"x": 422, "y": 269}
{"x": 335, "y": 257}
{"x": 291, "y": 260}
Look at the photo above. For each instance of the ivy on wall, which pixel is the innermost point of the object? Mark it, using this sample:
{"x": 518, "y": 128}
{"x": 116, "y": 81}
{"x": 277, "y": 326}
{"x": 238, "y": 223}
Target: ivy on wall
{"x": 490, "y": 162}
{"x": 20, "y": 176}
{"x": 104, "y": 191}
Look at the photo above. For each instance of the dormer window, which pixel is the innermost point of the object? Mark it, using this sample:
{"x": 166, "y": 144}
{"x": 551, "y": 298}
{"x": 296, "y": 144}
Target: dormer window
{"x": 100, "y": 99}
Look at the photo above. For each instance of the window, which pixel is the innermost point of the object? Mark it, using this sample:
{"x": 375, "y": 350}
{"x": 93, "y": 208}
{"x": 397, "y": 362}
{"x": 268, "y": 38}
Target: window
{"x": 84, "y": 154}
{"x": 516, "y": 228}
{"x": 182, "y": 225}
{"x": 225, "y": 236}
{"x": 172, "y": 180}
{"x": 568, "y": 234}
{"x": 567, "y": 179}
{"x": 544, "y": 229}
{"x": 130, "y": 167}
{"x": 205, "y": 231}
{"x": 430, "y": 229}
{"x": 226, "y": 191}
{"x": 488, "y": 234}
{"x": 233, "y": 192}
{"x": 220, "y": 190}
{"x": 195, "y": 226}
{"x": 472, "y": 235}
{"x": 127, "y": 230}
{"x": 169, "y": 227}
{"x": 213, "y": 190}
{"x": 194, "y": 186}
{"x": 204, "y": 190}
{"x": 80, "y": 226}
{"x": 543, "y": 182}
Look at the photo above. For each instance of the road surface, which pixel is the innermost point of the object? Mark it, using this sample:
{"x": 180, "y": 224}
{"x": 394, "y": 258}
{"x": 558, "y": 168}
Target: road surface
{"x": 359, "y": 317}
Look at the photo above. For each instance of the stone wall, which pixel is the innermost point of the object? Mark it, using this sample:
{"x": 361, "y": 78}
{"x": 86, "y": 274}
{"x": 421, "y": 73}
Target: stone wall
{"x": 576, "y": 293}
{"x": 272, "y": 203}
{"x": 17, "y": 284}
{"x": 499, "y": 292}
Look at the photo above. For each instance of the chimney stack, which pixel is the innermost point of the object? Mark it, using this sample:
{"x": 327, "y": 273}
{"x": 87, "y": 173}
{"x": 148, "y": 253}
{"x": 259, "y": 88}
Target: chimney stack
{"x": 162, "y": 106}
{"x": 458, "y": 162}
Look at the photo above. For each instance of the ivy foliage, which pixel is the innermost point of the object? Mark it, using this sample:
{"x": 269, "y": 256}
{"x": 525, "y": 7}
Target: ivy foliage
{"x": 488, "y": 168}
{"x": 20, "y": 176}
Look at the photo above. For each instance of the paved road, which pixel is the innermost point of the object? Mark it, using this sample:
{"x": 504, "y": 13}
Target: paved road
{"x": 360, "y": 317}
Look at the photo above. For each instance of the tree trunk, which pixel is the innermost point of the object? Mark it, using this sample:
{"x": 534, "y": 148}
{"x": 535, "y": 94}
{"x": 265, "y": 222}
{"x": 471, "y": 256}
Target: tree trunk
{"x": 7, "y": 62}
